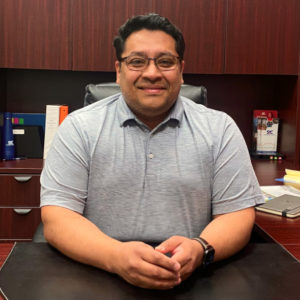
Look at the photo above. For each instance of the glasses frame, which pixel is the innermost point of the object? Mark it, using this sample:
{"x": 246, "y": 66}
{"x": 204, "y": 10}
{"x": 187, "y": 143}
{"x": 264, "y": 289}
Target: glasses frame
{"x": 125, "y": 59}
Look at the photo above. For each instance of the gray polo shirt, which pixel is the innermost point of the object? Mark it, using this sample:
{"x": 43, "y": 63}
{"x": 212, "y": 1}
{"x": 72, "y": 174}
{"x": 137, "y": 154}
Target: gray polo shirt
{"x": 140, "y": 184}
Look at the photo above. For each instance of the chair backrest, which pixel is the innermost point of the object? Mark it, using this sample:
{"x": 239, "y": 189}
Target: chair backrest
{"x": 96, "y": 92}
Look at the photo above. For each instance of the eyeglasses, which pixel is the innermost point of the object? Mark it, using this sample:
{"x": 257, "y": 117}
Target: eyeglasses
{"x": 164, "y": 62}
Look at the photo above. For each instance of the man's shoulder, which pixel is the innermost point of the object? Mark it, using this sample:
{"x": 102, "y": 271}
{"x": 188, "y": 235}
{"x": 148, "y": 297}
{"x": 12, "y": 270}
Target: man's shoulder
{"x": 201, "y": 111}
{"x": 96, "y": 108}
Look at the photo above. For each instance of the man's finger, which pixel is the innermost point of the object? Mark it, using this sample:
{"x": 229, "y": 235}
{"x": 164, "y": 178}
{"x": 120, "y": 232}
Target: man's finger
{"x": 161, "y": 260}
{"x": 181, "y": 256}
{"x": 169, "y": 245}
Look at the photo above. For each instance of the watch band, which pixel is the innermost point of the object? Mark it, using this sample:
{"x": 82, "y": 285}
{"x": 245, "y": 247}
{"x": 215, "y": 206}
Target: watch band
{"x": 209, "y": 251}
{"x": 202, "y": 241}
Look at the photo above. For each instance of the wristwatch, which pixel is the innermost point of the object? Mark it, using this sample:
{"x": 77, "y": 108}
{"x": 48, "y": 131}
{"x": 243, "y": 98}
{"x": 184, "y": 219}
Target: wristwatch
{"x": 209, "y": 251}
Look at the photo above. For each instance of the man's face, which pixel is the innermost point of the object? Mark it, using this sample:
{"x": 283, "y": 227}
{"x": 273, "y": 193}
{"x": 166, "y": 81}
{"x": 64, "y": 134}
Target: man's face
{"x": 150, "y": 93}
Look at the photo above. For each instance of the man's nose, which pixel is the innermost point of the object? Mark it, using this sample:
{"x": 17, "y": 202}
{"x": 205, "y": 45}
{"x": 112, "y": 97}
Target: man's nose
{"x": 152, "y": 70}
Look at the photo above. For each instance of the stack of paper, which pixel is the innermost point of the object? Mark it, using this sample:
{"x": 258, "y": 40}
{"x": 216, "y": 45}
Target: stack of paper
{"x": 292, "y": 178}
{"x": 272, "y": 191}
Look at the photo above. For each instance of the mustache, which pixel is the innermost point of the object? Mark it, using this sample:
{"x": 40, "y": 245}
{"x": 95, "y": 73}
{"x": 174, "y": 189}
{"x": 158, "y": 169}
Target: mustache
{"x": 151, "y": 85}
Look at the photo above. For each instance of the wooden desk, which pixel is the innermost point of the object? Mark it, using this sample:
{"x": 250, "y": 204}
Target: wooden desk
{"x": 283, "y": 231}
{"x": 267, "y": 170}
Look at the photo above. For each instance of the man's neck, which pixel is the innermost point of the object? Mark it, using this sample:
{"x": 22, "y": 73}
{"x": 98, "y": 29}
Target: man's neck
{"x": 152, "y": 122}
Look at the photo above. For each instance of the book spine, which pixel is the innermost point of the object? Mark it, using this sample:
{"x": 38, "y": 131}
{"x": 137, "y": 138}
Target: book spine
{"x": 51, "y": 126}
{"x": 63, "y": 112}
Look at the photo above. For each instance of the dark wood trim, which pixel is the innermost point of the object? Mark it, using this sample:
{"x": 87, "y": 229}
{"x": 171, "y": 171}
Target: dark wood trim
{"x": 26, "y": 166}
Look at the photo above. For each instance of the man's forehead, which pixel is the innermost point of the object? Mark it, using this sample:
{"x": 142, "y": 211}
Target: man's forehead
{"x": 141, "y": 41}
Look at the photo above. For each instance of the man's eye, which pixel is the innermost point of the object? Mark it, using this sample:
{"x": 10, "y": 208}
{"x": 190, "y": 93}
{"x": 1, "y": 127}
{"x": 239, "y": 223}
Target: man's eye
{"x": 137, "y": 62}
{"x": 165, "y": 62}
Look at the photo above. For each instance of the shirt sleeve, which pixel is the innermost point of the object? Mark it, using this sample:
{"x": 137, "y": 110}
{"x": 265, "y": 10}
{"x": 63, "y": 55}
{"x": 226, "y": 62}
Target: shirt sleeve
{"x": 64, "y": 178}
{"x": 235, "y": 185}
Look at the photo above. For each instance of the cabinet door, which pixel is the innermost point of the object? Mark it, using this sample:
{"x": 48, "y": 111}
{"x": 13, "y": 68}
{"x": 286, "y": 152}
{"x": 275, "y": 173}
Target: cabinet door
{"x": 202, "y": 23}
{"x": 35, "y": 34}
{"x": 18, "y": 223}
{"x": 263, "y": 36}
{"x": 19, "y": 190}
{"x": 95, "y": 23}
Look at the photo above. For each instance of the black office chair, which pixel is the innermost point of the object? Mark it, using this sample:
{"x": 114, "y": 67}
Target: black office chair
{"x": 38, "y": 236}
{"x": 96, "y": 92}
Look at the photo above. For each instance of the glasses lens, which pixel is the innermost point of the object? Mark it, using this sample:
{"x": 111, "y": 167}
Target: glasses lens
{"x": 136, "y": 62}
{"x": 166, "y": 62}
{"x": 139, "y": 63}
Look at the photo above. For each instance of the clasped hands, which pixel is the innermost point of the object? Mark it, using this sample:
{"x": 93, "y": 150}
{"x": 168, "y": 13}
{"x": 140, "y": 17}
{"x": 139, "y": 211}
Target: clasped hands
{"x": 147, "y": 267}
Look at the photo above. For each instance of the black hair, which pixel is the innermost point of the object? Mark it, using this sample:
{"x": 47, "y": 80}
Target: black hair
{"x": 150, "y": 21}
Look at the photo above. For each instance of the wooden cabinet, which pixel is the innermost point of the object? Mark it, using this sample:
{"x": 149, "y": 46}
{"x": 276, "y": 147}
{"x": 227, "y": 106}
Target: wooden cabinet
{"x": 18, "y": 223}
{"x": 262, "y": 37}
{"x": 19, "y": 199}
{"x": 95, "y": 23}
{"x": 222, "y": 36}
{"x": 35, "y": 34}
{"x": 231, "y": 37}
{"x": 202, "y": 24}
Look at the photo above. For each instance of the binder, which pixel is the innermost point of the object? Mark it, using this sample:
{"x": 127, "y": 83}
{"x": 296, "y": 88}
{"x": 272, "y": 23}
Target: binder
{"x": 29, "y": 119}
{"x": 63, "y": 112}
{"x": 28, "y": 141}
{"x": 55, "y": 114}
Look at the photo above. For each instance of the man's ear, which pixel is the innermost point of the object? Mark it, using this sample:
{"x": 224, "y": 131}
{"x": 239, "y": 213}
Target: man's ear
{"x": 118, "y": 70}
{"x": 182, "y": 68}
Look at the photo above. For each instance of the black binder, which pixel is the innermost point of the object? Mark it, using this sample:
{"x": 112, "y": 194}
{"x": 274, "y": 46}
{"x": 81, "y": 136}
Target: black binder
{"x": 29, "y": 141}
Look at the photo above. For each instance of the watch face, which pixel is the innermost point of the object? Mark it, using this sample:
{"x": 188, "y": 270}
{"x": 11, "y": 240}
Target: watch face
{"x": 209, "y": 255}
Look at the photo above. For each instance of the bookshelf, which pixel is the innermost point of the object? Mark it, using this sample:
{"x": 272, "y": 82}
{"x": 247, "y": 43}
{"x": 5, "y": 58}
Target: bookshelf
{"x": 238, "y": 95}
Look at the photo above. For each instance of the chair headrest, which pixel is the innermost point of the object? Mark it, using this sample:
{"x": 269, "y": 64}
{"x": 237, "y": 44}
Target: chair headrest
{"x": 96, "y": 92}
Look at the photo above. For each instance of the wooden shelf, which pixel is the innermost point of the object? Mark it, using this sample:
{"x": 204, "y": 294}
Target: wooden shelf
{"x": 26, "y": 166}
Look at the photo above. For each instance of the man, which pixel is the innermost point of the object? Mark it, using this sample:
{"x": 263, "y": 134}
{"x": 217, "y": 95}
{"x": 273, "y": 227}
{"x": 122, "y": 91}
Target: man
{"x": 148, "y": 166}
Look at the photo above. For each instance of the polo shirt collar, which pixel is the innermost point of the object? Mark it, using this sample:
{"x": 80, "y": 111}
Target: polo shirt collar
{"x": 125, "y": 114}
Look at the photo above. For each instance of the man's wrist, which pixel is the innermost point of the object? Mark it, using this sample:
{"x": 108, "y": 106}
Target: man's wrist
{"x": 199, "y": 253}
{"x": 208, "y": 251}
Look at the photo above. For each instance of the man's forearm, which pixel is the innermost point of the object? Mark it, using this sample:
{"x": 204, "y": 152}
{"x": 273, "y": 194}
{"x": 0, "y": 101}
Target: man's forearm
{"x": 80, "y": 239}
{"x": 77, "y": 237}
{"x": 228, "y": 233}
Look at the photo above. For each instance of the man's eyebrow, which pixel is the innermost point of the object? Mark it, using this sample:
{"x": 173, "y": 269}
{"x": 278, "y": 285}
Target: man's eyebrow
{"x": 138, "y": 53}
{"x": 144, "y": 54}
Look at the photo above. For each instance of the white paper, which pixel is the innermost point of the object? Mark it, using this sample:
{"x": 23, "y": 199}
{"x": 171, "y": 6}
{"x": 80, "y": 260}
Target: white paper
{"x": 271, "y": 191}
